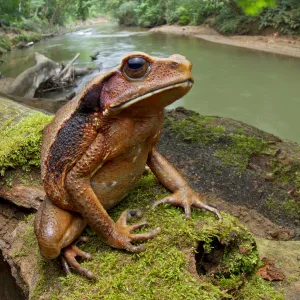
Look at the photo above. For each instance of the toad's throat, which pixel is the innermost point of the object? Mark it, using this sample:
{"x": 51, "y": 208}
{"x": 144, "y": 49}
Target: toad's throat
{"x": 185, "y": 84}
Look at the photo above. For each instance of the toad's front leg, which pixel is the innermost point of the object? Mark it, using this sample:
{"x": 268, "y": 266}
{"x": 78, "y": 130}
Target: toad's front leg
{"x": 118, "y": 235}
{"x": 182, "y": 195}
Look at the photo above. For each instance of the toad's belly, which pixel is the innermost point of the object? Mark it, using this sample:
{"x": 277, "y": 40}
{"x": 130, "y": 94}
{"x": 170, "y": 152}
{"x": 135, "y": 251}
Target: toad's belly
{"x": 113, "y": 181}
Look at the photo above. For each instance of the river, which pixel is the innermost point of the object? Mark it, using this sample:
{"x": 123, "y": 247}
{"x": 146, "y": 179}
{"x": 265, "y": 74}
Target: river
{"x": 258, "y": 88}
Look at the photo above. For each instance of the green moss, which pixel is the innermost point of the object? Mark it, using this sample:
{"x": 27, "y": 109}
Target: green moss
{"x": 289, "y": 207}
{"x": 257, "y": 288}
{"x": 196, "y": 129}
{"x": 162, "y": 271}
{"x": 239, "y": 150}
{"x": 287, "y": 174}
{"x": 20, "y": 142}
{"x": 235, "y": 149}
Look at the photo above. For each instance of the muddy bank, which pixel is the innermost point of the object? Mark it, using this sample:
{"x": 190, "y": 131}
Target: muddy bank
{"x": 284, "y": 45}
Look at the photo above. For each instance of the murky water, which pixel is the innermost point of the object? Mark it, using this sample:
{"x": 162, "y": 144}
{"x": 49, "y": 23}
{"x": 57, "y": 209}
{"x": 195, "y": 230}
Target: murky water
{"x": 258, "y": 88}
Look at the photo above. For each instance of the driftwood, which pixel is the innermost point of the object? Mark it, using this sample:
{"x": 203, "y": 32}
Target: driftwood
{"x": 67, "y": 68}
{"x": 25, "y": 45}
{"x": 64, "y": 79}
{"x": 46, "y": 76}
{"x": 46, "y": 35}
{"x": 28, "y": 82}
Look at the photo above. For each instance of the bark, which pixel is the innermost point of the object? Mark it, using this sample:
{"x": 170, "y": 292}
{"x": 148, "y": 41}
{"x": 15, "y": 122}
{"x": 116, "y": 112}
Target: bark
{"x": 53, "y": 16}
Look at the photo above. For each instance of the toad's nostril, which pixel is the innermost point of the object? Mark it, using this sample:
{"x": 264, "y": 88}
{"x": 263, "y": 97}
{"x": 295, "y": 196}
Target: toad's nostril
{"x": 177, "y": 57}
{"x": 180, "y": 59}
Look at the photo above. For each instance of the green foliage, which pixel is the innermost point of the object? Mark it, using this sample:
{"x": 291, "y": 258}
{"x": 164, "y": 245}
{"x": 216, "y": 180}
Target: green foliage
{"x": 82, "y": 12}
{"x": 9, "y": 10}
{"x": 148, "y": 15}
{"x": 34, "y": 24}
{"x": 126, "y": 13}
{"x": 254, "y": 7}
{"x": 26, "y": 37}
{"x": 285, "y": 17}
{"x": 233, "y": 16}
{"x": 26, "y": 13}
{"x": 5, "y": 43}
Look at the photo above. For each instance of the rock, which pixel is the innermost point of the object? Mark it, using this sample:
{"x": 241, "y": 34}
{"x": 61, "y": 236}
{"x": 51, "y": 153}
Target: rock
{"x": 20, "y": 136}
{"x": 285, "y": 256}
{"x": 27, "y": 196}
{"x": 202, "y": 148}
{"x": 13, "y": 235}
{"x": 229, "y": 160}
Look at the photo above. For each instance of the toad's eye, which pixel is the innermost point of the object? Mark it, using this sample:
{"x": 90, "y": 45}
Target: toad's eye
{"x": 136, "y": 67}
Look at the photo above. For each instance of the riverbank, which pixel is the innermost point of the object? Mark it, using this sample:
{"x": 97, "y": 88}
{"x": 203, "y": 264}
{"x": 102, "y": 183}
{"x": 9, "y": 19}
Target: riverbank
{"x": 11, "y": 38}
{"x": 284, "y": 45}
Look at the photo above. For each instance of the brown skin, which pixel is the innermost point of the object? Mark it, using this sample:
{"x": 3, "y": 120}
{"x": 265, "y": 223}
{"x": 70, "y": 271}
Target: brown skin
{"x": 96, "y": 149}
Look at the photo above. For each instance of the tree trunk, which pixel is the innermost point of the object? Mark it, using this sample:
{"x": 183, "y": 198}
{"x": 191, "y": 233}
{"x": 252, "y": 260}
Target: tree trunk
{"x": 54, "y": 16}
{"x": 36, "y": 12}
{"x": 45, "y": 12}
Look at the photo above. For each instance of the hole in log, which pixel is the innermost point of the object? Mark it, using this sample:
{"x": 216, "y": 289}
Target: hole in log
{"x": 209, "y": 263}
{"x": 9, "y": 290}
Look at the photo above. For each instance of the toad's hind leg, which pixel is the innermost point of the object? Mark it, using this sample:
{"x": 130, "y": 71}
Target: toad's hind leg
{"x": 56, "y": 231}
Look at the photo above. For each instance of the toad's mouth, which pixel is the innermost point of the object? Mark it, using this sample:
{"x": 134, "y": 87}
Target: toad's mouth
{"x": 185, "y": 84}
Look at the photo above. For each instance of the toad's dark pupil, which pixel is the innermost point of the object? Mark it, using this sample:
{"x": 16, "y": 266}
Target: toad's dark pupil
{"x": 135, "y": 63}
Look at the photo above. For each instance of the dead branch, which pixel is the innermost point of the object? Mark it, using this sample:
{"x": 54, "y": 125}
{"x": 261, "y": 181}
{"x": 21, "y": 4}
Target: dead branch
{"x": 64, "y": 71}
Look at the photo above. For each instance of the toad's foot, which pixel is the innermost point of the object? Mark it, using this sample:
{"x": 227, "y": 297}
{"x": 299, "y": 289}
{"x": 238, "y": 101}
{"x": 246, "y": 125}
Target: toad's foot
{"x": 69, "y": 255}
{"x": 186, "y": 198}
{"x": 122, "y": 237}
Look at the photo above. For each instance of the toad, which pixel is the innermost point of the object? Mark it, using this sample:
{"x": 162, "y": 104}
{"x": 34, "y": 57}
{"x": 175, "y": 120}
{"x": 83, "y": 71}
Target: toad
{"x": 95, "y": 150}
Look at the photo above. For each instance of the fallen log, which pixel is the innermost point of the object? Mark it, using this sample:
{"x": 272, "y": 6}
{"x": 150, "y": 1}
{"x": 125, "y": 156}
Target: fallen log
{"x": 25, "y": 45}
{"x": 43, "y": 104}
{"x": 28, "y": 82}
{"x": 46, "y": 35}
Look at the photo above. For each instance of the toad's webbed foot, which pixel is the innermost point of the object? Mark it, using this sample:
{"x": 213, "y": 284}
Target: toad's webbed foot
{"x": 186, "y": 198}
{"x": 69, "y": 255}
{"x": 122, "y": 237}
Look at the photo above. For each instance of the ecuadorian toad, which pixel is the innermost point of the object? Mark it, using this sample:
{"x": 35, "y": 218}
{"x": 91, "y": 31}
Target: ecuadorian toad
{"x": 96, "y": 149}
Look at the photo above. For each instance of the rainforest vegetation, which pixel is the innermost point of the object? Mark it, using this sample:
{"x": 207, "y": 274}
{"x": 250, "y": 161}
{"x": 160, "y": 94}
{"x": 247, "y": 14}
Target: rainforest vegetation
{"x": 227, "y": 16}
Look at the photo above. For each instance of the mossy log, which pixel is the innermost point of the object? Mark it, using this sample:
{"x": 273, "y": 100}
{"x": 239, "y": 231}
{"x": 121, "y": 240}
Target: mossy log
{"x": 189, "y": 259}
